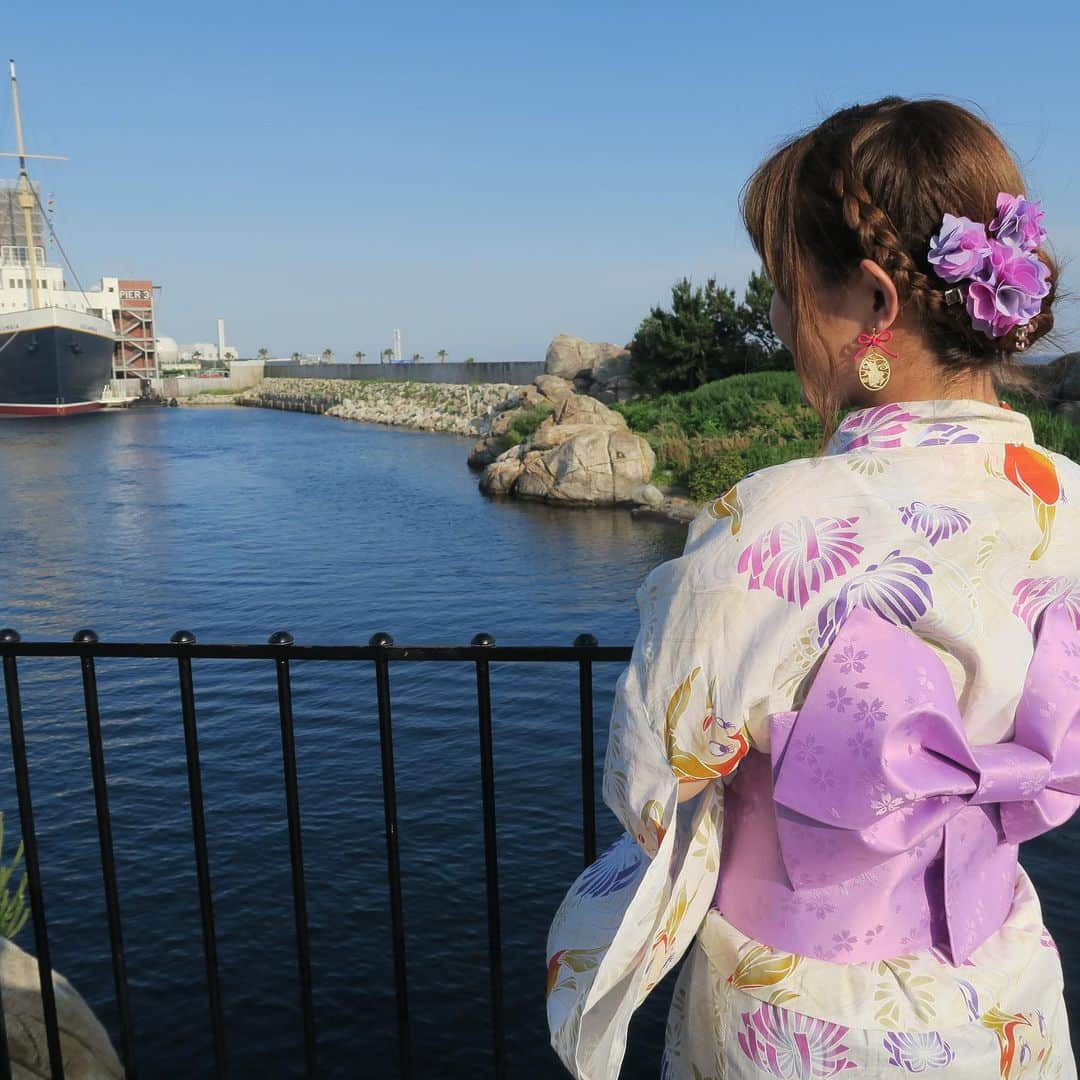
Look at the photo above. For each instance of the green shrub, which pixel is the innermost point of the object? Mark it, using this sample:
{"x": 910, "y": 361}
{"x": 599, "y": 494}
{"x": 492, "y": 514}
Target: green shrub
{"x": 671, "y": 447}
{"x": 710, "y": 477}
{"x": 713, "y": 472}
{"x": 527, "y": 422}
{"x": 726, "y": 406}
{"x": 14, "y": 910}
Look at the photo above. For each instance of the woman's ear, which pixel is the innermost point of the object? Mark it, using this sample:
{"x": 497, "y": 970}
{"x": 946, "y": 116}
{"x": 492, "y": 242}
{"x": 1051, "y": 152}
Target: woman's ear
{"x": 879, "y": 293}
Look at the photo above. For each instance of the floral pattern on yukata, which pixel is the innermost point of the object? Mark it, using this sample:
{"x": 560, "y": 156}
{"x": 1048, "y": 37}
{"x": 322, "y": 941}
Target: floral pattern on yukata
{"x": 944, "y": 518}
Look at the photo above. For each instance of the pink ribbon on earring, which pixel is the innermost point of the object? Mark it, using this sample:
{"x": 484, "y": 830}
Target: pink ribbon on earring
{"x": 870, "y": 341}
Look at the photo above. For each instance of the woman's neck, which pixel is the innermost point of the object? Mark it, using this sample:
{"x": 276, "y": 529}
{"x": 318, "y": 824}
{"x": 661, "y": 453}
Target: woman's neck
{"x": 920, "y": 377}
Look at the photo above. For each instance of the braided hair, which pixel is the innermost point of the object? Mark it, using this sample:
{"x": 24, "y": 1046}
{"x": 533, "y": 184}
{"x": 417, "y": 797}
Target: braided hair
{"x": 873, "y": 182}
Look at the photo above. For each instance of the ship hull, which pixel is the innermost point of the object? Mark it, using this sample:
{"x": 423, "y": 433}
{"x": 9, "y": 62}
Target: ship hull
{"x": 53, "y": 370}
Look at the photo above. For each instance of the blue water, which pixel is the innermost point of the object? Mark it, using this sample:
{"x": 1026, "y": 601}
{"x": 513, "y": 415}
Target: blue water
{"x": 237, "y": 523}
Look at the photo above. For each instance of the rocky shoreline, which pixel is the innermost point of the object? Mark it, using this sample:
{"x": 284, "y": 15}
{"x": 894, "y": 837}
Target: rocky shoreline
{"x": 451, "y": 408}
{"x": 579, "y": 453}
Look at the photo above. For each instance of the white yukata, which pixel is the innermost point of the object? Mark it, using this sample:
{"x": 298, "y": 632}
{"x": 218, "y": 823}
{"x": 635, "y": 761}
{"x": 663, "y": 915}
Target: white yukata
{"x": 942, "y": 516}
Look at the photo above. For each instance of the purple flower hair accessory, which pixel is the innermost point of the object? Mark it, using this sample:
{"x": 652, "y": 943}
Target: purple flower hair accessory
{"x": 1010, "y": 294}
{"x": 1018, "y": 222}
{"x": 960, "y": 250}
{"x": 1008, "y": 281}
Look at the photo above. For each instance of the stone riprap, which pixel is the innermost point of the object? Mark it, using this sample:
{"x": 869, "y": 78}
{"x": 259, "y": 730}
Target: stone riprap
{"x": 445, "y": 407}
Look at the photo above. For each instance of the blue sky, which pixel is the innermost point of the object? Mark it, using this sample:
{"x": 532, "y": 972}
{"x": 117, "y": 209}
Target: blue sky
{"x": 483, "y": 176}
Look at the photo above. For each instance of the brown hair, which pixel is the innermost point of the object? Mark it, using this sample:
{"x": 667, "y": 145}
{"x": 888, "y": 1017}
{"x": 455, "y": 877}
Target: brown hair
{"x": 872, "y": 182}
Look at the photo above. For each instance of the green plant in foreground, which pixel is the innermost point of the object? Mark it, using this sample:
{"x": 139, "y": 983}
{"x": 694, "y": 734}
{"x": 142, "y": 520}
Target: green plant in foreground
{"x": 14, "y": 910}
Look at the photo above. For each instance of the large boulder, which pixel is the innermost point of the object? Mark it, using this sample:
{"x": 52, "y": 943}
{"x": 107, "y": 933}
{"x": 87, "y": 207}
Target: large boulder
{"x": 585, "y": 410}
{"x": 84, "y": 1044}
{"x": 572, "y": 358}
{"x": 583, "y": 454}
{"x": 596, "y": 466}
{"x": 554, "y": 387}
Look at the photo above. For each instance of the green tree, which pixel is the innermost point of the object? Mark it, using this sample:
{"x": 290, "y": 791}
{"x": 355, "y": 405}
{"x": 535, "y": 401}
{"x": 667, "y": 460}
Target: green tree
{"x": 387, "y": 355}
{"x": 327, "y": 356}
{"x": 684, "y": 347}
{"x": 358, "y": 356}
{"x": 763, "y": 350}
{"x": 442, "y": 354}
{"x": 263, "y": 354}
{"x": 705, "y": 336}
{"x": 417, "y": 357}
{"x": 296, "y": 358}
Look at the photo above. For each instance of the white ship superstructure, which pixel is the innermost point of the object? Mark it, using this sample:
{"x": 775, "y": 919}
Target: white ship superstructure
{"x": 61, "y": 345}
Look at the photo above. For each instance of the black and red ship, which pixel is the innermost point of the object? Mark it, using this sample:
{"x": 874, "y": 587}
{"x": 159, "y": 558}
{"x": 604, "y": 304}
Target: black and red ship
{"x": 54, "y": 362}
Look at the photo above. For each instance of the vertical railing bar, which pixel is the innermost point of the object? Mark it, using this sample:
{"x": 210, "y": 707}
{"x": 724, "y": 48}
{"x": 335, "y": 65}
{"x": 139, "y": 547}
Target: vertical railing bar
{"x": 296, "y": 853}
{"x": 588, "y": 765}
{"x": 108, "y": 862}
{"x": 491, "y": 857}
{"x": 202, "y": 862}
{"x": 397, "y": 917}
{"x": 30, "y": 856}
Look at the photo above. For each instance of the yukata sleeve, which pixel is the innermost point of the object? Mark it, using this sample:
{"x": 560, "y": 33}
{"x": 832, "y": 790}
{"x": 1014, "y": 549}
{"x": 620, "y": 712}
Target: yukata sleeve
{"x": 631, "y": 915}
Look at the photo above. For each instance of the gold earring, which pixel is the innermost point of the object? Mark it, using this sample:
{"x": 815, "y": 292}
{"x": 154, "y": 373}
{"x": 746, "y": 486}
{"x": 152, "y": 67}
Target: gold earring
{"x": 874, "y": 368}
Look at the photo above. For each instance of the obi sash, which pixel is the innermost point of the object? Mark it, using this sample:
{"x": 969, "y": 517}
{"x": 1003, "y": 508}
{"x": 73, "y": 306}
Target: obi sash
{"x": 873, "y": 828}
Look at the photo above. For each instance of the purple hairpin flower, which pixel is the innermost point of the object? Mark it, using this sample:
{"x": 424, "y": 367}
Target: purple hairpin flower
{"x": 1018, "y": 222}
{"x": 960, "y": 250}
{"x": 1008, "y": 281}
{"x": 1009, "y": 292}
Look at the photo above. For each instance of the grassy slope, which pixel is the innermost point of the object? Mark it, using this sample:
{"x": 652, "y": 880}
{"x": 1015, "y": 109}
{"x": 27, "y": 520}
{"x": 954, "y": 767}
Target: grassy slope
{"x": 710, "y": 438}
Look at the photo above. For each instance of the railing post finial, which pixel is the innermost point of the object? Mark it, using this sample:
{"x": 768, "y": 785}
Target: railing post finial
{"x": 281, "y": 637}
{"x": 483, "y": 641}
{"x": 9, "y": 637}
{"x": 182, "y": 637}
{"x": 381, "y": 640}
{"x": 585, "y": 641}
{"x": 86, "y": 637}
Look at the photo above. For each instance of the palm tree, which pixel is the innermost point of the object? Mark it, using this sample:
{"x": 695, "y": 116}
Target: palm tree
{"x": 387, "y": 355}
{"x": 358, "y": 356}
{"x": 295, "y": 358}
{"x": 327, "y": 356}
{"x": 442, "y": 355}
{"x": 263, "y": 354}
{"x": 196, "y": 357}
{"x": 416, "y": 358}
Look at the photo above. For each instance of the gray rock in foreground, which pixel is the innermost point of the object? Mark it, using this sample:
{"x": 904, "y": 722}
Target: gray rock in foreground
{"x": 84, "y": 1044}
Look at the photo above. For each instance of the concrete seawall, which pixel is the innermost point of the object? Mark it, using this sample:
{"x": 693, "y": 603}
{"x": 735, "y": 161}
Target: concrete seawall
{"x": 513, "y": 374}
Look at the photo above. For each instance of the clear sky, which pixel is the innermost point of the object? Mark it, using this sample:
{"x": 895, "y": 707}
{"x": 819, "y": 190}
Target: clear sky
{"x": 482, "y": 175}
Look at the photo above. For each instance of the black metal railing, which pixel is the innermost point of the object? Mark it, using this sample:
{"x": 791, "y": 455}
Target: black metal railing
{"x": 282, "y": 651}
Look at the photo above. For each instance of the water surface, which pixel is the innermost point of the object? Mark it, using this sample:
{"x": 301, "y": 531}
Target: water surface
{"x": 235, "y": 523}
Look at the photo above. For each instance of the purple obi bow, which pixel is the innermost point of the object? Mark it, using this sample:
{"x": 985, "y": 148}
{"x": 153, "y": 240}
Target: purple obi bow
{"x": 876, "y": 763}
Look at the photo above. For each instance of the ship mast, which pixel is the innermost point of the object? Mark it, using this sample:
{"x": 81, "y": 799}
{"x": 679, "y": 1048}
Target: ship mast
{"x": 25, "y": 191}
